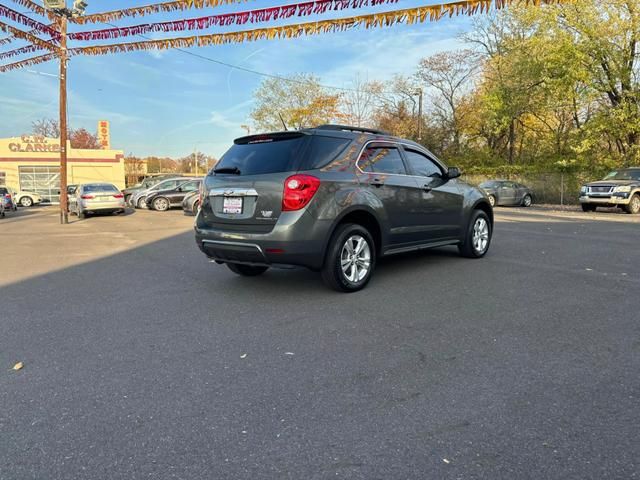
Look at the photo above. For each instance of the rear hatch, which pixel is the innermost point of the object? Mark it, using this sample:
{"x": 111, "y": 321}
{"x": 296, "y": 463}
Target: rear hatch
{"x": 244, "y": 191}
{"x": 96, "y": 194}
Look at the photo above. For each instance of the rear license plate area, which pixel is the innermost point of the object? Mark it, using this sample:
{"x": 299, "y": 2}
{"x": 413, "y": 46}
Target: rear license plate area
{"x": 232, "y": 205}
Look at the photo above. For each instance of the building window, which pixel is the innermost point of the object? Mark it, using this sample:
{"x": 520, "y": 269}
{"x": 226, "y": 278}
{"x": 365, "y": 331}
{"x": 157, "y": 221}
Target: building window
{"x": 42, "y": 180}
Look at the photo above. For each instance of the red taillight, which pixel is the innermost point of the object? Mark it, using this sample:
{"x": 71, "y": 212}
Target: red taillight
{"x": 119, "y": 195}
{"x": 87, "y": 197}
{"x": 298, "y": 191}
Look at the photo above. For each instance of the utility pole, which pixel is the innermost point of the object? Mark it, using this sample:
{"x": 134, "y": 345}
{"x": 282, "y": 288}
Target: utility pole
{"x": 64, "y": 210}
{"x": 419, "y": 93}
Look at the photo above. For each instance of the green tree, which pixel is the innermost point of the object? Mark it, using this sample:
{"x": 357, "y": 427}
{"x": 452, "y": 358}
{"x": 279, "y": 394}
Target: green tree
{"x": 301, "y": 102}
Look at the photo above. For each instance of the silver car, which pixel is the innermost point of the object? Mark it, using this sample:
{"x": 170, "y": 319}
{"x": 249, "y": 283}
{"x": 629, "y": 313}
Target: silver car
{"x": 137, "y": 200}
{"x": 96, "y": 198}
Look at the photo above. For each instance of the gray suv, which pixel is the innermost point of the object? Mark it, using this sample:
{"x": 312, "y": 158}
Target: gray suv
{"x": 335, "y": 199}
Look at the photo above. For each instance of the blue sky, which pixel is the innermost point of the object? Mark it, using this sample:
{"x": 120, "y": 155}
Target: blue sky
{"x": 168, "y": 103}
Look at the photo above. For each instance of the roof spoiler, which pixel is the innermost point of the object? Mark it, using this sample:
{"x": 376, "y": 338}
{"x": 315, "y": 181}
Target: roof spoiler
{"x": 269, "y": 137}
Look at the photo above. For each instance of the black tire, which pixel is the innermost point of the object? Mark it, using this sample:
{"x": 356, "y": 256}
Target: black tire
{"x": 468, "y": 248}
{"x": 332, "y": 271}
{"x": 81, "y": 214}
{"x": 127, "y": 198}
{"x": 246, "y": 270}
{"x": 161, "y": 204}
{"x": 634, "y": 205}
{"x": 26, "y": 201}
{"x": 493, "y": 201}
{"x": 527, "y": 201}
{"x": 141, "y": 203}
{"x": 588, "y": 208}
{"x": 194, "y": 210}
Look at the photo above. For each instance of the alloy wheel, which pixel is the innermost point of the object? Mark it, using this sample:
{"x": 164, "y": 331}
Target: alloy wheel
{"x": 26, "y": 201}
{"x": 355, "y": 259}
{"x": 480, "y": 236}
{"x": 160, "y": 204}
{"x": 634, "y": 206}
{"x": 492, "y": 200}
{"x": 527, "y": 201}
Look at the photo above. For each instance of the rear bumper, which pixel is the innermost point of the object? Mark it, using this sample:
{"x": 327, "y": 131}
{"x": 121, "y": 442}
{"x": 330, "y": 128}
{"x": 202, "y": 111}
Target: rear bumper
{"x": 613, "y": 200}
{"x": 102, "y": 206}
{"x": 297, "y": 239}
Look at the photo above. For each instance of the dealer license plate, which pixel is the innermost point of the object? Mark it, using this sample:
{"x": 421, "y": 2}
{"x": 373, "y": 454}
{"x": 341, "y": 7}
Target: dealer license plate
{"x": 232, "y": 205}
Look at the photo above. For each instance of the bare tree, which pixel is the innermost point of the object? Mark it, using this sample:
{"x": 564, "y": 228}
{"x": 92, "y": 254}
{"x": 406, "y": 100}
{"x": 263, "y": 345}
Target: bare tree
{"x": 448, "y": 76}
{"x": 359, "y": 103}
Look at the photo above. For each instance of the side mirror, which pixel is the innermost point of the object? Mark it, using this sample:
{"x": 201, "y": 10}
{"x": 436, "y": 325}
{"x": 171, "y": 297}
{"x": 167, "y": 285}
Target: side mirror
{"x": 453, "y": 172}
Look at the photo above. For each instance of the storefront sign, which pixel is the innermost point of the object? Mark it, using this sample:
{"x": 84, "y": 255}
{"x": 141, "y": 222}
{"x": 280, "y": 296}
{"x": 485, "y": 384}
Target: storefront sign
{"x": 34, "y": 143}
{"x": 104, "y": 136}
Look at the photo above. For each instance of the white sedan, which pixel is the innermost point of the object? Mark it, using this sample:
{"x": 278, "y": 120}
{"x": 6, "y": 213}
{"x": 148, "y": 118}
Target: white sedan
{"x": 27, "y": 199}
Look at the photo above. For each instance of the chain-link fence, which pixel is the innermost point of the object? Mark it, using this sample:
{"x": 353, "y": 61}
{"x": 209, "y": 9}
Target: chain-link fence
{"x": 550, "y": 188}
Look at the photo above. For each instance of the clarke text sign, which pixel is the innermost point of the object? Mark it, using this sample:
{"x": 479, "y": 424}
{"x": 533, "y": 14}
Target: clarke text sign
{"x": 34, "y": 143}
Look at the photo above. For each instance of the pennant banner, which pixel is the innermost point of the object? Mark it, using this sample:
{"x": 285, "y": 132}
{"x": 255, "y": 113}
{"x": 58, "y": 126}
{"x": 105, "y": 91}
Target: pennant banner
{"x": 24, "y": 20}
{"x": 27, "y": 63}
{"x": 19, "y": 51}
{"x": 407, "y": 16}
{"x": 176, "y": 5}
{"x": 237, "y": 18}
{"x": 34, "y": 7}
{"x": 28, "y": 37}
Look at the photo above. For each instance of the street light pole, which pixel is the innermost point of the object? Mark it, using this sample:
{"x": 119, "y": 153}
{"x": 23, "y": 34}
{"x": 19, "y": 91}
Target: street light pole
{"x": 64, "y": 210}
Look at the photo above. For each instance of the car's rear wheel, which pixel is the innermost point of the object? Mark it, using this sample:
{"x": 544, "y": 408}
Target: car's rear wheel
{"x": 634, "y": 205}
{"x": 81, "y": 214}
{"x": 246, "y": 270}
{"x": 350, "y": 260}
{"x": 141, "y": 203}
{"x": 161, "y": 204}
{"x": 492, "y": 200}
{"x": 127, "y": 198}
{"x": 588, "y": 208}
{"x": 527, "y": 201}
{"x": 196, "y": 207}
{"x": 478, "y": 236}
{"x": 26, "y": 201}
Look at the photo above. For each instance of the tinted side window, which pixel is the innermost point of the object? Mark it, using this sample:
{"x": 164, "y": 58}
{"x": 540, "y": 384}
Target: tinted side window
{"x": 422, "y": 165}
{"x": 190, "y": 186}
{"x": 382, "y": 160}
{"x": 323, "y": 150}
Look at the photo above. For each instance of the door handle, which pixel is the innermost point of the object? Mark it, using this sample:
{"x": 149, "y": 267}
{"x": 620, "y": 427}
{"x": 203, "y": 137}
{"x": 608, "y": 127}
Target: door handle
{"x": 426, "y": 187}
{"x": 377, "y": 182}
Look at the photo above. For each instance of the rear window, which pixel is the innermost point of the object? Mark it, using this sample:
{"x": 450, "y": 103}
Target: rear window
{"x": 99, "y": 188}
{"x": 264, "y": 154}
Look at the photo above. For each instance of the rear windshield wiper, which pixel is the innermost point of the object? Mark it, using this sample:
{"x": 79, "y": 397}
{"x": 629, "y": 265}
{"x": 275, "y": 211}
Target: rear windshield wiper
{"x": 234, "y": 170}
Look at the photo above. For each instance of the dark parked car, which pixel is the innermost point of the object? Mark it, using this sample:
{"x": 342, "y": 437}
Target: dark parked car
{"x": 620, "y": 188}
{"x": 191, "y": 203}
{"x": 147, "y": 182}
{"x": 335, "y": 199}
{"x": 163, "y": 200}
{"x": 506, "y": 193}
{"x": 6, "y": 201}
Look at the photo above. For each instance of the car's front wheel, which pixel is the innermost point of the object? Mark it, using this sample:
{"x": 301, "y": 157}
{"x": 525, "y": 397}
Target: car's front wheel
{"x": 161, "y": 204}
{"x": 350, "y": 260}
{"x": 634, "y": 205}
{"x": 478, "y": 237}
{"x": 246, "y": 270}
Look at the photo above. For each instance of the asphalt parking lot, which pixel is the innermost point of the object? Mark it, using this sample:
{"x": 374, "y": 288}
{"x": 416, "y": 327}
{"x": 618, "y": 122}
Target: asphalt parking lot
{"x": 142, "y": 360}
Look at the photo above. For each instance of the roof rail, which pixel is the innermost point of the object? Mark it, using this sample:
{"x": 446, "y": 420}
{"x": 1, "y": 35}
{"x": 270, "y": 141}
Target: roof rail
{"x": 347, "y": 128}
